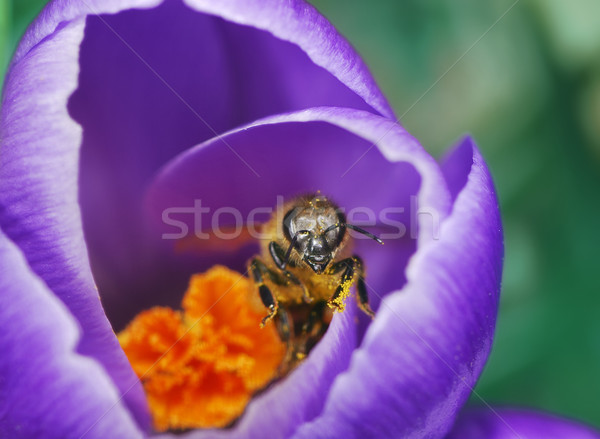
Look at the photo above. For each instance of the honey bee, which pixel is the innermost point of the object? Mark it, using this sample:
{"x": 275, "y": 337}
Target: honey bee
{"x": 306, "y": 269}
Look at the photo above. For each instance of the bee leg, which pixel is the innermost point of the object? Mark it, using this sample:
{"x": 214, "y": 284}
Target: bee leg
{"x": 315, "y": 318}
{"x": 277, "y": 254}
{"x": 347, "y": 267}
{"x": 284, "y": 327}
{"x": 316, "y": 325}
{"x": 361, "y": 289}
{"x": 258, "y": 268}
{"x": 351, "y": 267}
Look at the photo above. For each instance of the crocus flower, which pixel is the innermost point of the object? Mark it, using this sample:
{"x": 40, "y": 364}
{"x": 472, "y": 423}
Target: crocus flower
{"x": 114, "y": 111}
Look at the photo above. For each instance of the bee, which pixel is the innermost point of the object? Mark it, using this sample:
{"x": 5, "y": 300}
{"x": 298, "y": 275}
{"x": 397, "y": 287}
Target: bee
{"x": 306, "y": 269}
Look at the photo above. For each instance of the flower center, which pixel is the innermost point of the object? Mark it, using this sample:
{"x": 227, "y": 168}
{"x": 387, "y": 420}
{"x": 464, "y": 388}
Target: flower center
{"x": 201, "y": 366}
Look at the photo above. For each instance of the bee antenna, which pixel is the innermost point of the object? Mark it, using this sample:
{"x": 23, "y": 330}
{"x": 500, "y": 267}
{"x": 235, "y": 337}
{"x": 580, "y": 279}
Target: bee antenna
{"x": 364, "y": 232}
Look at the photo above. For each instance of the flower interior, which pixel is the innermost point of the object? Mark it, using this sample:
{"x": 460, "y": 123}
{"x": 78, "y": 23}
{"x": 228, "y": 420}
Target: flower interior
{"x": 144, "y": 151}
{"x": 201, "y": 365}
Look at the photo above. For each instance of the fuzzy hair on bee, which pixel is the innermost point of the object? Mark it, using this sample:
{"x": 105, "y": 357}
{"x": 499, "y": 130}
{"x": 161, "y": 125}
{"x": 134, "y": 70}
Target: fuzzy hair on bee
{"x": 306, "y": 269}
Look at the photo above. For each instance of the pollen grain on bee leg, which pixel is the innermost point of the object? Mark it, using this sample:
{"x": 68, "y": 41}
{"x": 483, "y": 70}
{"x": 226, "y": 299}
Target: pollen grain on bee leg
{"x": 200, "y": 366}
{"x": 338, "y": 302}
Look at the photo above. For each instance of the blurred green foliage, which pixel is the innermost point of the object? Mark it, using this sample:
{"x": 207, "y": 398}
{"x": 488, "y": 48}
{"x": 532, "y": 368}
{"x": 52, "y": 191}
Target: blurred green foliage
{"x": 15, "y": 16}
{"x": 529, "y": 92}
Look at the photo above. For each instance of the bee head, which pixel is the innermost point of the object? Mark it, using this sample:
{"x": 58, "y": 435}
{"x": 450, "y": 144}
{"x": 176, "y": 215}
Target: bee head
{"x": 315, "y": 232}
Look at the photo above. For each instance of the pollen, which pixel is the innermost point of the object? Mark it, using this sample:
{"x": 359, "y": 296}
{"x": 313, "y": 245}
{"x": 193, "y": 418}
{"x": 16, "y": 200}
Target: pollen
{"x": 201, "y": 365}
{"x": 339, "y": 303}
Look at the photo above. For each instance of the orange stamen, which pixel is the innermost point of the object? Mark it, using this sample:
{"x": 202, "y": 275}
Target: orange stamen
{"x": 201, "y": 366}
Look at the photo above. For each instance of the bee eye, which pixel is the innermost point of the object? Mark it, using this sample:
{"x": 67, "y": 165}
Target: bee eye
{"x": 332, "y": 237}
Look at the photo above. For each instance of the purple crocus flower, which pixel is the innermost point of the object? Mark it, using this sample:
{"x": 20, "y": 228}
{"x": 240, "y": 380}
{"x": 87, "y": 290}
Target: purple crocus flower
{"x": 114, "y": 111}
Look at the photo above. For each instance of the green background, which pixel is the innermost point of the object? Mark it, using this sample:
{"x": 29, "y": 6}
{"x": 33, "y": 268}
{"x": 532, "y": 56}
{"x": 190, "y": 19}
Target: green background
{"x": 529, "y": 92}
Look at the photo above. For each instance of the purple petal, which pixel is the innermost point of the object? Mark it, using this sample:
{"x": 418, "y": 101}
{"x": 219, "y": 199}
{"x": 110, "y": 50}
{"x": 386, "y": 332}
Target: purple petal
{"x": 298, "y": 22}
{"x": 423, "y": 353}
{"x": 39, "y": 198}
{"x": 148, "y": 90}
{"x": 330, "y": 149}
{"x": 171, "y": 87}
{"x": 228, "y": 73}
{"x": 293, "y": 21}
{"x": 47, "y": 389}
{"x": 517, "y": 424}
